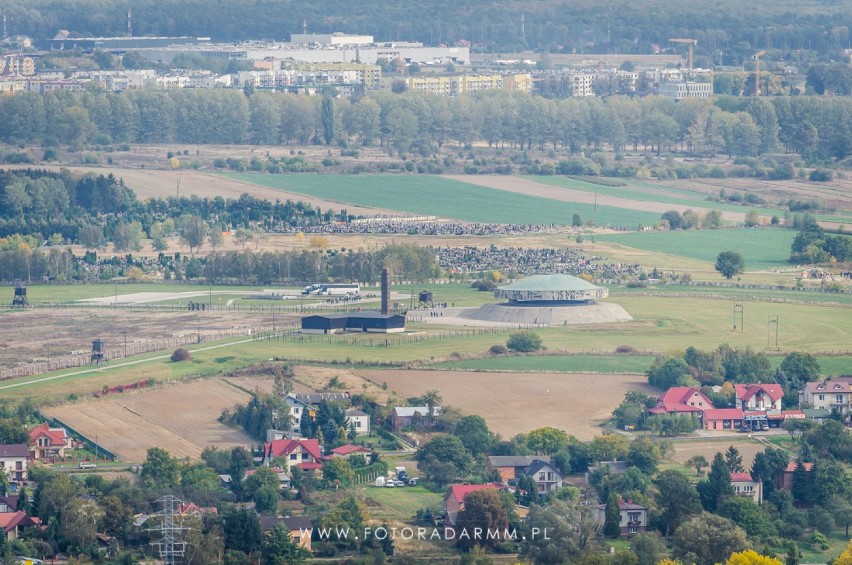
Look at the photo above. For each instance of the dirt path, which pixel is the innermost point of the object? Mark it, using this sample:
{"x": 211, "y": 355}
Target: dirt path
{"x": 532, "y": 188}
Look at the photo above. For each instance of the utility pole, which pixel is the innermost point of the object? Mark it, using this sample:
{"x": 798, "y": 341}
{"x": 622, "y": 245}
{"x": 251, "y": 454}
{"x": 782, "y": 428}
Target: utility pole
{"x": 125, "y": 342}
{"x": 757, "y": 57}
{"x": 772, "y": 320}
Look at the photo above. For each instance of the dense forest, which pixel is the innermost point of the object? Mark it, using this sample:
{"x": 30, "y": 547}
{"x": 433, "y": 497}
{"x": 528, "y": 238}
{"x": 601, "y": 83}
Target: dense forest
{"x": 606, "y": 26}
{"x": 818, "y": 129}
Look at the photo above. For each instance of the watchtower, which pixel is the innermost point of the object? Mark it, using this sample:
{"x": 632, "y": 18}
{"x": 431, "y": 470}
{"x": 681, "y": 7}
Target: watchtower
{"x": 98, "y": 352}
{"x": 20, "y": 299}
{"x": 425, "y": 298}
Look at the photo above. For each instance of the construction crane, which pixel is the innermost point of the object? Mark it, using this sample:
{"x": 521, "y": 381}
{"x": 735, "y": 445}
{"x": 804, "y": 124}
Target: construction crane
{"x": 690, "y": 42}
{"x": 756, "y": 58}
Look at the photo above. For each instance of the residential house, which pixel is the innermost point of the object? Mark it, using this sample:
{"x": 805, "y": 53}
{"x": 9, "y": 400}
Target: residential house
{"x": 454, "y": 501}
{"x": 723, "y": 419}
{"x": 192, "y": 509}
{"x": 47, "y": 442}
{"x": 545, "y": 475}
{"x": 8, "y": 503}
{"x": 304, "y": 405}
{"x": 303, "y": 453}
{"x": 784, "y": 480}
{"x": 759, "y": 397}
{"x": 818, "y": 415}
{"x": 512, "y": 466}
{"x": 300, "y": 527}
{"x": 11, "y": 523}
{"x": 744, "y": 485}
{"x": 832, "y": 394}
{"x": 412, "y": 416}
{"x": 13, "y": 460}
{"x": 359, "y": 421}
{"x": 634, "y": 517}
{"x": 682, "y": 400}
{"x": 349, "y": 449}
{"x": 283, "y": 477}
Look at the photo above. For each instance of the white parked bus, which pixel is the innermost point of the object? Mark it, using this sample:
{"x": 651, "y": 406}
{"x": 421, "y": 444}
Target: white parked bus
{"x": 332, "y": 289}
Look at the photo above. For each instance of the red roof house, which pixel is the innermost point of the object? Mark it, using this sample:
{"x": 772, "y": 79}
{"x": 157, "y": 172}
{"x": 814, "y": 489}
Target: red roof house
{"x": 454, "y": 501}
{"x": 682, "y": 399}
{"x": 759, "y": 396}
{"x": 744, "y": 485}
{"x": 294, "y": 451}
{"x": 46, "y": 442}
{"x": 784, "y": 480}
{"x": 349, "y": 449}
{"x": 12, "y": 522}
{"x": 723, "y": 419}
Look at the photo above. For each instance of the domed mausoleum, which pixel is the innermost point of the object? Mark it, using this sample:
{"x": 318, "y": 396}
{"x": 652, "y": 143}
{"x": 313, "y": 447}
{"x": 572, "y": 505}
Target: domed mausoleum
{"x": 551, "y": 300}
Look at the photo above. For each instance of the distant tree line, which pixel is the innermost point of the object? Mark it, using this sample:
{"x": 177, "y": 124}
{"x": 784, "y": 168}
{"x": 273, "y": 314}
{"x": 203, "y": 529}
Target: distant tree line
{"x": 583, "y": 27}
{"x": 813, "y": 245}
{"x": 93, "y": 209}
{"x": 816, "y": 128}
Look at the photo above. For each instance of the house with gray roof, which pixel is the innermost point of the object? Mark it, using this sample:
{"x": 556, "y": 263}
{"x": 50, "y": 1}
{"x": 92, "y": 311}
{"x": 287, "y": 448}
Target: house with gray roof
{"x": 13, "y": 460}
{"x": 512, "y": 466}
{"x": 413, "y": 416}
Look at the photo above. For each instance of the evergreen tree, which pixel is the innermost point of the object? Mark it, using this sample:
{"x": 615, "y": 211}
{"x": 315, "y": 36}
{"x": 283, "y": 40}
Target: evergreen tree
{"x": 734, "y": 460}
{"x": 802, "y": 491}
{"x": 612, "y": 513}
{"x": 718, "y": 484}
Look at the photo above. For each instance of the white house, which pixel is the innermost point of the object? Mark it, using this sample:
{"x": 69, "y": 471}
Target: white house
{"x": 744, "y": 485}
{"x": 13, "y": 460}
{"x": 759, "y": 397}
{"x": 634, "y": 517}
{"x": 828, "y": 395}
{"x": 359, "y": 420}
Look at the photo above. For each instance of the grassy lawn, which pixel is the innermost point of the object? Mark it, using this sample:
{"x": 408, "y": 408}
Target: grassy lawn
{"x": 579, "y": 363}
{"x": 72, "y": 292}
{"x": 761, "y": 248}
{"x": 402, "y": 503}
{"x": 802, "y": 296}
{"x": 834, "y": 366}
{"x": 443, "y": 197}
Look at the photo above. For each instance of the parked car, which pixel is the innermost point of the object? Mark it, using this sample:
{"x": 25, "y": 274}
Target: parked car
{"x": 389, "y": 484}
{"x": 87, "y": 465}
{"x": 412, "y": 482}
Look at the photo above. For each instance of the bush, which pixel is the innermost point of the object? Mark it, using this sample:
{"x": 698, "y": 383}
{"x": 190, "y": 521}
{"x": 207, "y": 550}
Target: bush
{"x": 626, "y": 350}
{"x": 821, "y": 175}
{"x": 498, "y": 349}
{"x": 484, "y": 285}
{"x": 524, "y": 342}
{"x": 181, "y": 354}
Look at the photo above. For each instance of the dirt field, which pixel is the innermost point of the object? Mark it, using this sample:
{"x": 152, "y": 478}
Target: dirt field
{"x": 532, "y": 188}
{"x": 179, "y": 418}
{"x": 513, "y": 403}
{"x": 41, "y": 333}
{"x": 684, "y": 449}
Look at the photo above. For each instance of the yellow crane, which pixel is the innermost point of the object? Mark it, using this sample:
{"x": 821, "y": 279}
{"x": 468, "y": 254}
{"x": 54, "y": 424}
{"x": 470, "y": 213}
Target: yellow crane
{"x": 756, "y": 58}
{"x": 690, "y": 42}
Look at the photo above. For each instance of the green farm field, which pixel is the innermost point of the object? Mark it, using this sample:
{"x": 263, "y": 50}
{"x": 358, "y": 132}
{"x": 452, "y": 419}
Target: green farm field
{"x": 761, "y": 248}
{"x": 647, "y": 192}
{"x": 438, "y": 196}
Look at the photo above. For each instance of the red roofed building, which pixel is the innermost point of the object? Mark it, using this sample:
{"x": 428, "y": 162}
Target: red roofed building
{"x": 744, "y": 485}
{"x": 723, "y": 419}
{"x": 784, "y": 480}
{"x": 759, "y": 397}
{"x": 47, "y": 442}
{"x": 349, "y": 449}
{"x": 682, "y": 399}
{"x": 296, "y": 452}
{"x": 12, "y": 522}
{"x": 454, "y": 501}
